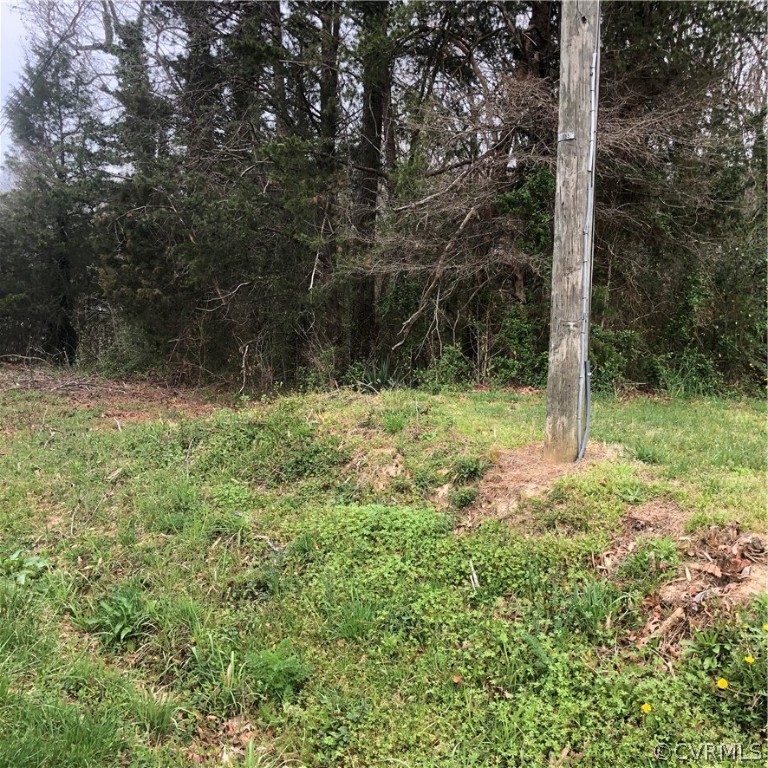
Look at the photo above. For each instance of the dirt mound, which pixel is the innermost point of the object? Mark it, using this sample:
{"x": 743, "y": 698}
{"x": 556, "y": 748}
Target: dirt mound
{"x": 522, "y": 474}
{"x": 720, "y": 562}
{"x": 719, "y": 569}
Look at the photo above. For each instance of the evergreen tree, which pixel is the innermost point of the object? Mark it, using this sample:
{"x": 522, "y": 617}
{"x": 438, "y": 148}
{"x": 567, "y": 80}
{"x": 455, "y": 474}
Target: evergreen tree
{"x": 45, "y": 251}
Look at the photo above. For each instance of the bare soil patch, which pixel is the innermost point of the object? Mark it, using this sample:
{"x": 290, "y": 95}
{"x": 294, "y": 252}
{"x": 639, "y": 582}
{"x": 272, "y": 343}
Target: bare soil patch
{"x": 377, "y": 467}
{"x": 654, "y": 519}
{"x": 522, "y": 474}
{"x": 725, "y": 562}
{"x": 116, "y": 401}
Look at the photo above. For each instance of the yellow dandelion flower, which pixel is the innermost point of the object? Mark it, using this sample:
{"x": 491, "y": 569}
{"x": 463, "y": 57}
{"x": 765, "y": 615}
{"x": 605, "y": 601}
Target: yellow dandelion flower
{"x": 722, "y": 683}
{"x": 646, "y": 707}
{"x": 749, "y": 659}
{"x": 765, "y": 627}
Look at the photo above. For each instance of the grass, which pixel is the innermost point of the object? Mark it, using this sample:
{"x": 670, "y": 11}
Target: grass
{"x": 260, "y": 586}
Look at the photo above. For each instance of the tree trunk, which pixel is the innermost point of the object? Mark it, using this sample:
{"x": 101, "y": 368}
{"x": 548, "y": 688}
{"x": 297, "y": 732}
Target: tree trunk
{"x": 536, "y": 42}
{"x": 376, "y": 63}
{"x": 282, "y": 127}
{"x": 327, "y": 207}
{"x": 64, "y": 338}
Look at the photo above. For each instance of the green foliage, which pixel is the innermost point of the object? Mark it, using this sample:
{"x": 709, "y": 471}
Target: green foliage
{"x": 614, "y": 357}
{"x": 258, "y": 583}
{"x": 463, "y": 497}
{"x": 154, "y": 715}
{"x": 352, "y": 618}
{"x": 650, "y": 454}
{"x": 651, "y": 560}
{"x": 520, "y": 361}
{"x": 122, "y": 620}
{"x": 304, "y": 546}
{"x": 394, "y": 421}
{"x": 374, "y": 376}
{"x": 229, "y": 681}
{"x": 280, "y": 448}
{"x": 591, "y": 605}
{"x": 277, "y": 673}
{"x": 735, "y": 652}
{"x": 451, "y": 369}
{"x": 467, "y": 468}
{"x": 531, "y": 202}
{"x": 249, "y": 220}
{"x": 687, "y": 374}
{"x": 47, "y": 217}
{"x": 125, "y": 350}
{"x": 22, "y": 568}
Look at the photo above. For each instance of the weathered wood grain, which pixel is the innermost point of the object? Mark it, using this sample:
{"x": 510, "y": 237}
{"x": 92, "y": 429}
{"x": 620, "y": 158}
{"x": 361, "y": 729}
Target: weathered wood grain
{"x": 579, "y": 31}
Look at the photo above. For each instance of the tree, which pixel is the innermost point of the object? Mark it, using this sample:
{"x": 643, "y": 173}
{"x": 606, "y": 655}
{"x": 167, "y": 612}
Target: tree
{"x": 289, "y": 190}
{"x": 44, "y": 234}
{"x": 376, "y": 61}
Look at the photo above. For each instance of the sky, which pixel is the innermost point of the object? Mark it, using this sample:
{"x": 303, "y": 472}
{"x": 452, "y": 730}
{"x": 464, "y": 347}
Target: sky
{"x": 11, "y": 57}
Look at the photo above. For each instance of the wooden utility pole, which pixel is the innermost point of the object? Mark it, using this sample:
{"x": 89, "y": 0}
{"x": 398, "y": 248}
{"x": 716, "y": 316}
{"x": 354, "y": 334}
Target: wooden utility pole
{"x": 567, "y": 381}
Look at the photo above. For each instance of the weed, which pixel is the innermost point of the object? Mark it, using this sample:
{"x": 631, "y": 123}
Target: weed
{"x": 258, "y": 583}
{"x": 591, "y": 606}
{"x": 225, "y": 524}
{"x": 353, "y": 619}
{"x": 276, "y": 672}
{"x": 462, "y": 497}
{"x": 650, "y": 454}
{"x": 689, "y": 373}
{"x": 393, "y": 421}
{"x": 651, "y": 560}
{"x": 228, "y": 681}
{"x": 18, "y": 624}
{"x": 631, "y": 492}
{"x": 375, "y": 377}
{"x": 469, "y": 468}
{"x": 451, "y": 369}
{"x": 170, "y": 505}
{"x": 304, "y": 546}
{"x": 21, "y": 568}
{"x": 121, "y": 619}
{"x": 735, "y": 653}
{"x": 154, "y": 714}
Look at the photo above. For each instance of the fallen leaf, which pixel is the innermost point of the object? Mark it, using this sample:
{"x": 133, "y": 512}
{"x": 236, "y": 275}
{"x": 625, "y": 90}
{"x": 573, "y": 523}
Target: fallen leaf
{"x": 708, "y": 568}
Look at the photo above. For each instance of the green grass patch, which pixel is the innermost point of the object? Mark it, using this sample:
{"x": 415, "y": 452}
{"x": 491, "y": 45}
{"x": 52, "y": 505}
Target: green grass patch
{"x": 288, "y": 567}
